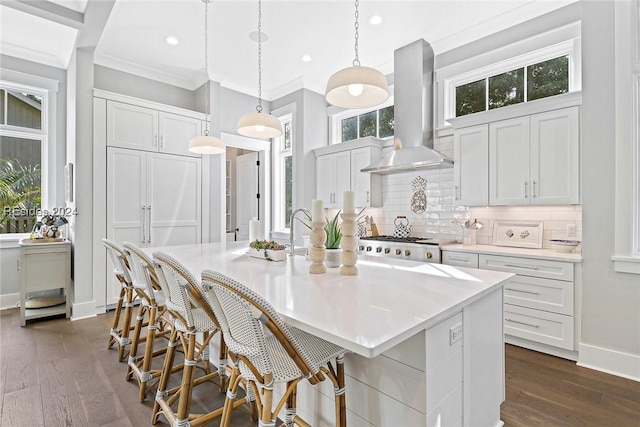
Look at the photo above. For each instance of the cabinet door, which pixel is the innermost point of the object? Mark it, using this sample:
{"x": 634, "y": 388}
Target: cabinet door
{"x": 555, "y": 175}
{"x": 129, "y": 126}
{"x": 509, "y": 162}
{"x": 126, "y": 205}
{"x": 325, "y": 179}
{"x": 471, "y": 165}
{"x": 367, "y": 186}
{"x": 343, "y": 176}
{"x": 174, "y": 187}
{"x": 176, "y": 132}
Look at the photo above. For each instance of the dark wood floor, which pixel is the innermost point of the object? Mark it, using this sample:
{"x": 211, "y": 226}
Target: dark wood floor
{"x": 59, "y": 373}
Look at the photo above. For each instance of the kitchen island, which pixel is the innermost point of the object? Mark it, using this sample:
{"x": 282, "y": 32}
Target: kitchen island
{"x": 427, "y": 339}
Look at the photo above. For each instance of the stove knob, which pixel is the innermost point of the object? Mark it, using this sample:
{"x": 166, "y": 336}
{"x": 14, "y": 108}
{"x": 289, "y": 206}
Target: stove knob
{"x": 398, "y": 252}
{"x": 428, "y": 255}
{"x": 361, "y": 248}
{"x": 378, "y": 249}
{"x": 387, "y": 250}
{"x": 407, "y": 252}
{"x": 368, "y": 248}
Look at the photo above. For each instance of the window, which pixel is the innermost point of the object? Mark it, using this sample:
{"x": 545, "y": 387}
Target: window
{"x": 23, "y": 140}
{"x": 527, "y": 83}
{"x": 283, "y": 175}
{"x": 349, "y": 125}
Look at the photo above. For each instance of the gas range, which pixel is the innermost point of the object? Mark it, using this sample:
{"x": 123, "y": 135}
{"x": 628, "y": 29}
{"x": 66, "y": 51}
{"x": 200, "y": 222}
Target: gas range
{"x": 424, "y": 249}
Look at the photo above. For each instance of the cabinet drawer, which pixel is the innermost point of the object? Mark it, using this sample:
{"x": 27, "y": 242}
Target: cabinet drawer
{"x": 539, "y": 326}
{"x": 528, "y": 267}
{"x": 461, "y": 259}
{"x": 555, "y": 296}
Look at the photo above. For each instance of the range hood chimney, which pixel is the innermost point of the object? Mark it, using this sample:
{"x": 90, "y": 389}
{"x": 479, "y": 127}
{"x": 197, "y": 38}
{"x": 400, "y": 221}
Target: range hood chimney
{"x": 413, "y": 111}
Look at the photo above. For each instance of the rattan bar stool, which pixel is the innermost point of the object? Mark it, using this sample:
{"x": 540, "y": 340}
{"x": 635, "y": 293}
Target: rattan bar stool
{"x": 191, "y": 316}
{"x": 119, "y": 334}
{"x": 152, "y": 305}
{"x": 287, "y": 355}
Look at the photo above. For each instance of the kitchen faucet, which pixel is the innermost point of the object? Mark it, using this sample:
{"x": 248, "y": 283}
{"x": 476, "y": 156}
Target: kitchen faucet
{"x": 291, "y": 220}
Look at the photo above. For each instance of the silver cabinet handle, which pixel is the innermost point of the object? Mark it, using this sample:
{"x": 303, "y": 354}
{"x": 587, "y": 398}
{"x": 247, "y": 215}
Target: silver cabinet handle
{"x": 18, "y": 267}
{"x": 521, "y": 266}
{"x": 367, "y": 196}
{"x": 526, "y": 189}
{"x": 459, "y": 259}
{"x": 149, "y": 225}
{"x": 522, "y": 291}
{"x": 522, "y": 323}
{"x": 161, "y": 141}
{"x": 144, "y": 224}
{"x": 534, "y": 189}
{"x": 155, "y": 140}
{"x": 455, "y": 192}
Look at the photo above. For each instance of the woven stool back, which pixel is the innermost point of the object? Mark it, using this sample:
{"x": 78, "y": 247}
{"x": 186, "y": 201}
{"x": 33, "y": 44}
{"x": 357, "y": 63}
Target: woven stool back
{"x": 175, "y": 281}
{"x": 118, "y": 259}
{"x": 141, "y": 270}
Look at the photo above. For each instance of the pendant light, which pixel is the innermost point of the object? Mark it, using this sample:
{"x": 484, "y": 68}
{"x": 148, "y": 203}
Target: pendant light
{"x": 259, "y": 124}
{"x": 205, "y": 143}
{"x": 357, "y": 86}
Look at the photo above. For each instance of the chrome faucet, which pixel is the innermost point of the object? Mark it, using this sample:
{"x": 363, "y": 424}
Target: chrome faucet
{"x": 291, "y": 221}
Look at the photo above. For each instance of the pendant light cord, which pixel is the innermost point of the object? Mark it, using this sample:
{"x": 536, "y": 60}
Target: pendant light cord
{"x": 206, "y": 66}
{"x": 356, "y": 61}
{"x": 259, "y": 106}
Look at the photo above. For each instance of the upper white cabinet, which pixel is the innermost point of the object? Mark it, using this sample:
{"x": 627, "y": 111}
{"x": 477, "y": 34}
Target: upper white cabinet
{"x": 471, "y": 165}
{"x": 535, "y": 159}
{"x": 142, "y": 128}
{"x": 338, "y": 169}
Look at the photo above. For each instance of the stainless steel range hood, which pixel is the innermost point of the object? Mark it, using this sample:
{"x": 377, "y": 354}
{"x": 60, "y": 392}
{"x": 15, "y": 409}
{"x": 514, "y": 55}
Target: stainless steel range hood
{"x": 413, "y": 111}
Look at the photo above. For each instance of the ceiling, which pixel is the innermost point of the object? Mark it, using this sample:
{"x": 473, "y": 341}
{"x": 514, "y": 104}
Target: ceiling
{"x": 134, "y": 37}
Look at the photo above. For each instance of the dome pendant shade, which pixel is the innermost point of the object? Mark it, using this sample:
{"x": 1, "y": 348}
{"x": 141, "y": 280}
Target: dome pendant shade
{"x": 259, "y": 125}
{"x": 357, "y": 87}
{"x": 205, "y": 144}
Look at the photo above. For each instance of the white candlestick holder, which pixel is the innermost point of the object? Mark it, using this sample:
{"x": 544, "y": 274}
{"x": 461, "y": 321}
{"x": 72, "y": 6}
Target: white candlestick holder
{"x": 317, "y": 250}
{"x": 349, "y": 244}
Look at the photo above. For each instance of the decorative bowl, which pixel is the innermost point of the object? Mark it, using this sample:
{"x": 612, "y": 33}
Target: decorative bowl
{"x": 564, "y": 245}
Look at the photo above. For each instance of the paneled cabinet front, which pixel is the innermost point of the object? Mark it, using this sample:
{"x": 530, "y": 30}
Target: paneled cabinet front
{"x": 333, "y": 177}
{"x": 471, "y": 165}
{"x": 141, "y": 128}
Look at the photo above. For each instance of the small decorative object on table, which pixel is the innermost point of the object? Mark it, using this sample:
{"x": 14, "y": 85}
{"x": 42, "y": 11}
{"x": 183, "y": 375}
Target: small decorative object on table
{"x": 271, "y": 251}
{"x": 317, "y": 238}
{"x": 349, "y": 255}
{"x": 332, "y": 242}
{"x": 564, "y": 245}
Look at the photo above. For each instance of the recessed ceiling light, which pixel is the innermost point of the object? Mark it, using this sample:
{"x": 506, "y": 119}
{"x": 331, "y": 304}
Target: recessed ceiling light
{"x": 306, "y": 58}
{"x": 172, "y": 40}
{"x": 375, "y": 20}
{"x": 253, "y": 35}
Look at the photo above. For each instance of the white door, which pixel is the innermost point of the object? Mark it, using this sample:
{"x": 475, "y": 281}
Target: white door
{"x": 174, "y": 194}
{"x": 555, "y": 175}
{"x": 361, "y": 181}
{"x": 176, "y": 132}
{"x": 246, "y": 193}
{"x": 126, "y": 205}
{"x": 471, "y": 165}
{"x": 343, "y": 176}
{"x": 509, "y": 162}
{"x": 130, "y": 126}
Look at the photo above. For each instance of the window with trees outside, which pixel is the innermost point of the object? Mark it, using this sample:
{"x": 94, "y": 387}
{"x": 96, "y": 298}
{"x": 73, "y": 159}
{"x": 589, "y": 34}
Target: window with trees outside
{"x": 378, "y": 123}
{"x": 527, "y": 83}
{"x": 283, "y": 175}
{"x": 23, "y": 137}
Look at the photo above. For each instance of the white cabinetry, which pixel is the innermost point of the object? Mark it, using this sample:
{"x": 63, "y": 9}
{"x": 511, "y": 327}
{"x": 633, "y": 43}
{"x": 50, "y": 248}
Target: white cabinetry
{"x": 471, "y": 165}
{"x": 333, "y": 177}
{"x": 535, "y": 159}
{"x": 460, "y": 259}
{"x": 142, "y": 128}
{"x": 45, "y": 267}
{"x": 540, "y": 306}
{"x": 338, "y": 169}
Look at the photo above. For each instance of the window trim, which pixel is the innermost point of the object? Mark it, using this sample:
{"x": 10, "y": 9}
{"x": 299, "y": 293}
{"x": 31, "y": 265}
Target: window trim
{"x": 279, "y": 154}
{"x": 335, "y": 119}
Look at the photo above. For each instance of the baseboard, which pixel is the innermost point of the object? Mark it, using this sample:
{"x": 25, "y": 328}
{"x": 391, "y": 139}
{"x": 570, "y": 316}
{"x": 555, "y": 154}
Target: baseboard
{"x": 83, "y": 310}
{"x": 9, "y": 301}
{"x": 610, "y": 361}
{"x": 542, "y": 348}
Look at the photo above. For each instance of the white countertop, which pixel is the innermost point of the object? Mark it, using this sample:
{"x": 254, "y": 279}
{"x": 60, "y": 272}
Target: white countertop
{"x": 550, "y": 254}
{"x": 387, "y": 303}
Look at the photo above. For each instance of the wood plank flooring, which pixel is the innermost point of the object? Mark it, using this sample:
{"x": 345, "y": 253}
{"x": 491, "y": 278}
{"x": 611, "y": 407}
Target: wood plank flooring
{"x": 59, "y": 373}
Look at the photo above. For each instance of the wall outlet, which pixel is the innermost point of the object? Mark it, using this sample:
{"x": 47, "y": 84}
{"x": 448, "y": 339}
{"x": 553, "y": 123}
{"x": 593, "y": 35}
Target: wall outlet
{"x": 571, "y": 230}
{"x": 455, "y": 333}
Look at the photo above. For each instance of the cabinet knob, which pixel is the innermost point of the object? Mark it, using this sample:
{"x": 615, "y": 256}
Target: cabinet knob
{"x": 526, "y": 189}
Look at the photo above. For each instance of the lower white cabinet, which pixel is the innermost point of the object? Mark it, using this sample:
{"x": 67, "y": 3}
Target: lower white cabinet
{"x": 460, "y": 259}
{"x": 153, "y": 199}
{"x": 45, "y": 268}
{"x": 539, "y": 302}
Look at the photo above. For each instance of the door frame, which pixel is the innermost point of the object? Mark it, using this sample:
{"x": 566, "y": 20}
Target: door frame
{"x": 217, "y": 171}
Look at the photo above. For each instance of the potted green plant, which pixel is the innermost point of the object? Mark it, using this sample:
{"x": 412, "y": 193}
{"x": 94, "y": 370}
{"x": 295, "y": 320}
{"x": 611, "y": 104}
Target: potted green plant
{"x": 332, "y": 242}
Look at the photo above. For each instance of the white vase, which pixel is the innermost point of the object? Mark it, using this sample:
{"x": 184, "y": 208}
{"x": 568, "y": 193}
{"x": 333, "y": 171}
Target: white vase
{"x": 332, "y": 258}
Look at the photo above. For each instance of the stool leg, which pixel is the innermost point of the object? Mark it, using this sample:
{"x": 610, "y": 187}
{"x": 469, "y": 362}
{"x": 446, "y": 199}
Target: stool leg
{"x": 116, "y": 317}
{"x": 167, "y": 367}
{"x": 146, "y": 375}
{"x": 267, "y": 401}
{"x": 290, "y": 411}
{"x": 234, "y": 380}
{"x": 184, "y": 404}
{"x": 133, "y": 352}
{"x": 341, "y": 403}
{"x": 126, "y": 324}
